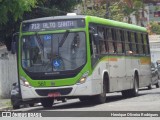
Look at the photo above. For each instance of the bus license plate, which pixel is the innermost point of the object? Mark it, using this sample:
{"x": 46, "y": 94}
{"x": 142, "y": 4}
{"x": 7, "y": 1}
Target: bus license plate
{"x": 55, "y": 94}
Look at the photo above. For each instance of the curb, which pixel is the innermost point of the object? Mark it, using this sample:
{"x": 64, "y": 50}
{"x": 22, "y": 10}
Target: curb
{"x": 3, "y": 47}
{"x": 6, "y": 108}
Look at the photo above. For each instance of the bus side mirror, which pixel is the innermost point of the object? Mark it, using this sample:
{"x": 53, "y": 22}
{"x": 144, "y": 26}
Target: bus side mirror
{"x": 13, "y": 47}
{"x": 14, "y": 43}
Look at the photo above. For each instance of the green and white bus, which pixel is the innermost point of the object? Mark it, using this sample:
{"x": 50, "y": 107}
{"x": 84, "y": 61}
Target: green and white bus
{"x": 81, "y": 57}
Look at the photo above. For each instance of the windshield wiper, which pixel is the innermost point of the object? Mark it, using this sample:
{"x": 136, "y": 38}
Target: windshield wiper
{"x": 63, "y": 38}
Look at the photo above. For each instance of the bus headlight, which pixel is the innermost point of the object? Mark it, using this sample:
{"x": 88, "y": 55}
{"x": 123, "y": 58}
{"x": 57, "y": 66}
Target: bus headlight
{"x": 84, "y": 77}
{"x": 24, "y": 81}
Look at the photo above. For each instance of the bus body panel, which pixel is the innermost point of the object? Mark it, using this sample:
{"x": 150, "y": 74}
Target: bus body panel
{"x": 89, "y": 88}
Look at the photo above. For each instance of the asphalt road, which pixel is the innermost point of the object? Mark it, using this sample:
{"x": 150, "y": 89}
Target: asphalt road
{"x": 148, "y": 100}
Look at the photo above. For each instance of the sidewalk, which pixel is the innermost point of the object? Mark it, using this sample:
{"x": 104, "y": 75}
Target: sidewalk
{"x": 5, "y": 104}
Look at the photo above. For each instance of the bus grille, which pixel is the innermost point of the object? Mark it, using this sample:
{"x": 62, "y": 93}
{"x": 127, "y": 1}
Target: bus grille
{"x": 45, "y": 92}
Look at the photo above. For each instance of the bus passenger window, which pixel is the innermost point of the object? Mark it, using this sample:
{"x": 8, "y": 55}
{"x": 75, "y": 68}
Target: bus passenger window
{"x": 101, "y": 33}
{"x": 122, "y": 40}
{"x": 128, "y": 46}
{"x": 111, "y": 47}
{"x": 111, "y": 43}
{"x": 134, "y": 48}
{"x": 102, "y": 47}
{"x": 119, "y": 47}
{"x": 146, "y": 43}
{"x": 140, "y": 43}
{"x": 90, "y": 42}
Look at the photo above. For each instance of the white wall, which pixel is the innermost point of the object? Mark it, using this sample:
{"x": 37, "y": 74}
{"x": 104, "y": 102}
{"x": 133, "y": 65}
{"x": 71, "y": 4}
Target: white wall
{"x": 8, "y": 72}
{"x": 155, "y": 55}
{"x": 154, "y": 41}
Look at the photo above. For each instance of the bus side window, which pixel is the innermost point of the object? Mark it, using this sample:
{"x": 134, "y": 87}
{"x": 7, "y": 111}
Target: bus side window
{"x": 144, "y": 49}
{"x": 112, "y": 42}
{"x": 101, "y": 32}
{"x": 127, "y": 44}
{"x": 122, "y": 40}
{"x": 134, "y": 49}
{"x": 118, "y": 41}
{"x": 106, "y": 38}
{"x": 90, "y": 41}
{"x": 146, "y": 44}
{"x": 136, "y": 42}
{"x": 93, "y": 47}
{"x": 140, "y": 43}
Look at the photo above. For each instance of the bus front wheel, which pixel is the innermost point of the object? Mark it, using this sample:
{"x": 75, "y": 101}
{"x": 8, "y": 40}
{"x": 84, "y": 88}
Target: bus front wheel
{"x": 101, "y": 98}
{"x": 47, "y": 102}
{"x": 134, "y": 91}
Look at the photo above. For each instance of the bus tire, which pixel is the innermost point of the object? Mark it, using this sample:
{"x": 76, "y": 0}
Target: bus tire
{"x": 135, "y": 90}
{"x": 158, "y": 85}
{"x": 31, "y": 104}
{"x": 47, "y": 102}
{"x": 150, "y": 86}
{"x": 101, "y": 98}
{"x": 132, "y": 92}
{"x": 86, "y": 98}
{"x": 16, "y": 107}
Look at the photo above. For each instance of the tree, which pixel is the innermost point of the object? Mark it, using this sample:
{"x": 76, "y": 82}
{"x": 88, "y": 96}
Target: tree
{"x": 116, "y": 12}
{"x": 11, "y": 11}
{"x": 115, "y": 9}
{"x": 153, "y": 28}
{"x": 14, "y": 8}
{"x": 14, "y": 11}
{"x": 96, "y": 8}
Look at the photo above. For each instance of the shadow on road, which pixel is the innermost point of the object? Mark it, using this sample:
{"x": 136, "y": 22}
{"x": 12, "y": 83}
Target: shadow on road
{"x": 111, "y": 98}
{"x": 79, "y": 104}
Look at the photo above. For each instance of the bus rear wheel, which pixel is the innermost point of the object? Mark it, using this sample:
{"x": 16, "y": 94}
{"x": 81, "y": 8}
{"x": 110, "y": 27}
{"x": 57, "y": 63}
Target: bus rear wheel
{"x": 16, "y": 107}
{"x": 158, "y": 85}
{"x": 47, "y": 102}
{"x": 132, "y": 92}
{"x": 135, "y": 90}
{"x": 86, "y": 98}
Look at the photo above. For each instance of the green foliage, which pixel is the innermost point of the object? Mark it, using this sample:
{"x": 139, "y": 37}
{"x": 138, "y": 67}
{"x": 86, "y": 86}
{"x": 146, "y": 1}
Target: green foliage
{"x": 58, "y": 7}
{"x": 12, "y": 12}
{"x": 155, "y": 28}
{"x": 116, "y": 13}
{"x": 14, "y": 8}
{"x": 118, "y": 10}
{"x": 98, "y": 11}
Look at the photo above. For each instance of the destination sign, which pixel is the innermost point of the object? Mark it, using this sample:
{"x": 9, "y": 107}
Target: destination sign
{"x": 53, "y": 25}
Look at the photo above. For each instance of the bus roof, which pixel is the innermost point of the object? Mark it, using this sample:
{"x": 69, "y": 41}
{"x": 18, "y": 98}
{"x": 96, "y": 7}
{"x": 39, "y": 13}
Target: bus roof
{"x": 113, "y": 23}
{"x": 92, "y": 19}
{"x": 55, "y": 18}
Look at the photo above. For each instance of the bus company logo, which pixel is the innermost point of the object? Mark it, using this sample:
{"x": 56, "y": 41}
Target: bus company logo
{"x": 20, "y": 114}
{"x": 6, "y": 114}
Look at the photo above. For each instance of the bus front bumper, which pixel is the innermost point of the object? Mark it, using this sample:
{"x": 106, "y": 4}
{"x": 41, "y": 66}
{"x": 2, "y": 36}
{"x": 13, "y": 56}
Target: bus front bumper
{"x": 90, "y": 87}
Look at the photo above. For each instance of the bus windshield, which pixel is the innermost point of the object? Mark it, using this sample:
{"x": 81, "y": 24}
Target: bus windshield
{"x": 42, "y": 53}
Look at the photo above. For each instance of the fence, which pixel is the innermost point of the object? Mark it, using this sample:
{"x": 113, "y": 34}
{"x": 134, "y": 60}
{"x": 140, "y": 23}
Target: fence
{"x": 8, "y": 72}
